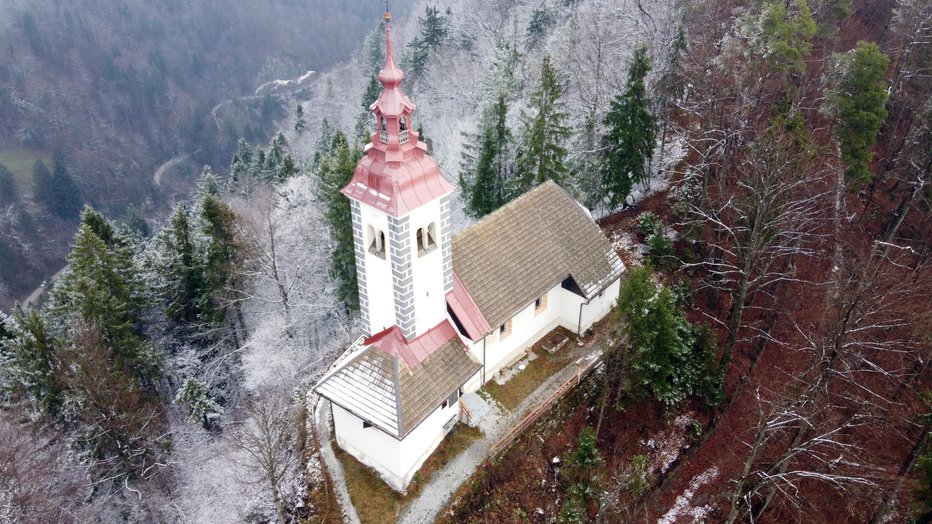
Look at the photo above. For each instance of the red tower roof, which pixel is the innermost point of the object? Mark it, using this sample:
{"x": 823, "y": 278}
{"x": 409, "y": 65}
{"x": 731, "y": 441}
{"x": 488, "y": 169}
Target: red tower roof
{"x": 396, "y": 175}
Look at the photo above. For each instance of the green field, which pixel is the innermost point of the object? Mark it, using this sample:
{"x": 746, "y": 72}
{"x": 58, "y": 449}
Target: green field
{"x": 20, "y": 160}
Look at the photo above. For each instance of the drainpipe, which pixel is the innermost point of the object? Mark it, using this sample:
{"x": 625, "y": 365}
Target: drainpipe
{"x": 579, "y": 322}
{"x": 483, "y": 361}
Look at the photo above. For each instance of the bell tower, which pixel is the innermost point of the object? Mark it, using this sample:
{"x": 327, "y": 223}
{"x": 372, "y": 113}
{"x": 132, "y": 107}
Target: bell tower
{"x": 401, "y": 217}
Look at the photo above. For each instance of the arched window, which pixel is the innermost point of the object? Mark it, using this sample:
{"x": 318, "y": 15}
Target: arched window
{"x": 426, "y": 239}
{"x": 376, "y": 244}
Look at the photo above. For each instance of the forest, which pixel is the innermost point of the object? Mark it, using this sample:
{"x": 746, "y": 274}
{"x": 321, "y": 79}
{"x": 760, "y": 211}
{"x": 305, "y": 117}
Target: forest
{"x": 761, "y": 167}
{"x": 104, "y": 92}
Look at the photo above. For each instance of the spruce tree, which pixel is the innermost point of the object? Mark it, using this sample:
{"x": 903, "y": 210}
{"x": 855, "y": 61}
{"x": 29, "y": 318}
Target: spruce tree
{"x": 103, "y": 289}
{"x": 65, "y": 193}
{"x": 43, "y": 185}
{"x": 630, "y": 134}
{"x": 786, "y": 36}
{"x": 8, "y": 191}
{"x": 433, "y": 31}
{"x": 182, "y": 269}
{"x": 34, "y": 363}
{"x": 488, "y": 163}
{"x": 857, "y": 101}
{"x": 504, "y": 74}
{"x": 542, "y": 152}
{"x": 300, "y": 123}
{"x": 222, "y": 255}
{"x": 334, "y": 172}
{"x": 666, "y": 358}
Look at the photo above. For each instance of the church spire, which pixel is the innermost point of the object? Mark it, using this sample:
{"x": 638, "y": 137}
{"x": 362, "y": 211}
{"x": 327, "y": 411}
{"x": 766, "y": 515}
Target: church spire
{"x": 390, "y": 76}
{"x": 396, "y": 174}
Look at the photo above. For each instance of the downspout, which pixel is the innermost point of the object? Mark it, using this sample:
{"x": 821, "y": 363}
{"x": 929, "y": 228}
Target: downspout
{"x": 483, "y": 361}
{"x": 579, "y": 322}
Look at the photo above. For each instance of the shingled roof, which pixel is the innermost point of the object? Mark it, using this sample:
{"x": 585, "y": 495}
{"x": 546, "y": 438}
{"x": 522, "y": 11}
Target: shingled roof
{"x": 514, "y": 255}
{"x": 395, "y": 384}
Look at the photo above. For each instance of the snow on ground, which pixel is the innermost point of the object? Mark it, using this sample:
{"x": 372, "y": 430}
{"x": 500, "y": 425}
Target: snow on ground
{"x": 209, "y": 477}
{"x": 666, "y": 447}
{"x": 625, "y": 242}
{"x": 682, "y": 510}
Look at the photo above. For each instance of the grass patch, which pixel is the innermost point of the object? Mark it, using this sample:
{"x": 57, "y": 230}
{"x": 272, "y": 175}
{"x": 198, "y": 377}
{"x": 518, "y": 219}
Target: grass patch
{"x": 20, "y": 160}
{"x": 537, "y": 371}
{"x": 375, "y": 501}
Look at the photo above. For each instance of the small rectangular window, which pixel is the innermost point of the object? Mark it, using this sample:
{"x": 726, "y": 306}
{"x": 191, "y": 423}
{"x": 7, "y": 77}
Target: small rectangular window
{"x": 504, "y": 330}
{"x": 540, "y": 304}
{"x": 451, "y": 399}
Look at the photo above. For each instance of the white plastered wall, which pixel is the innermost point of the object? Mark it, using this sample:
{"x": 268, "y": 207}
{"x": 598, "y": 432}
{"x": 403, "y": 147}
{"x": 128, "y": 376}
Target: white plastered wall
{"x": 563, "y": 309}
{"x": 395, "y": 460}
{"x": 378, "y": 272}
{"x": 430, "y": 307}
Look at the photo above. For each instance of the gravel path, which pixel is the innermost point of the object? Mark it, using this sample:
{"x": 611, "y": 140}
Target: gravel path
{"x": 435, "y": 496}
{"x": 334, "y": 468}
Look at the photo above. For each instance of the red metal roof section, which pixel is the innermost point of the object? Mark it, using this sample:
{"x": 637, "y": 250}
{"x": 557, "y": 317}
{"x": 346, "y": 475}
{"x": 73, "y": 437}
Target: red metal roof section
{"x": 466, "y": 310}
{"x": 411, "y": 353}
{"x": 396, "y": 175}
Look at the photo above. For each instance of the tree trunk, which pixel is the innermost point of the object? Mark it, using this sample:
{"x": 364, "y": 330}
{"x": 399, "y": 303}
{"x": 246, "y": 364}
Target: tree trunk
{"x": 734, "y": 324}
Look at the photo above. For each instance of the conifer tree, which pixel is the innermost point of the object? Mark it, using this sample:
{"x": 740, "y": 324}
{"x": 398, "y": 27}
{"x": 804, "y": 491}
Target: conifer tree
{"x": 242, "y": 163}
{"x": 373, "y": 58}
{"x": 504, "y": 73}
{"x": 857, "y": 101}
{"x": 628, "y": 142}
{"x": 222, "y": 255}
{"x": 65, "y": 193}
{"x": 43, "y": 185}
{"x": 335, "y": 171}
{"x": 8, "y": 191}
{"x": 300, "y": 123}
{"x": 103, "y": 289}
{"x": 182, "y": 269}
{"x": 34, "y": 364}
{"x": 666, "y": 357}
{"x": 433, "y": 30}
{"x": 671, "y": 85}
{"x": 488, "y": 163}
{"x": 542, "y": 152}
{"x": 786, "y": 35}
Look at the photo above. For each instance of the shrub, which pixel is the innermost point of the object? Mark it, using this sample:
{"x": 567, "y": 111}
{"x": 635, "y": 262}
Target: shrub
{"x": 648, "y": 224}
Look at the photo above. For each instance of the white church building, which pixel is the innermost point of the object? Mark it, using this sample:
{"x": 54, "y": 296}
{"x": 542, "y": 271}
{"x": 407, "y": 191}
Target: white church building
{"x": 444, "y": 314}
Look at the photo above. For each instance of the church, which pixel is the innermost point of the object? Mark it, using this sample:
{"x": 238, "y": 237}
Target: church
{"x": 443, "y": 314}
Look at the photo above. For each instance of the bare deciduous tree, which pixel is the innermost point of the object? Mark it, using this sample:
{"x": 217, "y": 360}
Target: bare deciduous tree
{"x": 756, "y": 223}
{"x": 268, "y": 436}
{"x": 286, "y": 252}
{"x": 36, "y": 482}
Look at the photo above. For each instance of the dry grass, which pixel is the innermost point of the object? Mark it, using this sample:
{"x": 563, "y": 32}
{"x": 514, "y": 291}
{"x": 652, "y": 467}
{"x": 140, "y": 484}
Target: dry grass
{"x": 375, "y": 501}
{"x": 537, "y": 371}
